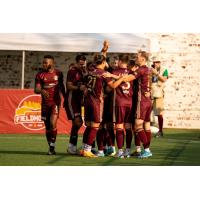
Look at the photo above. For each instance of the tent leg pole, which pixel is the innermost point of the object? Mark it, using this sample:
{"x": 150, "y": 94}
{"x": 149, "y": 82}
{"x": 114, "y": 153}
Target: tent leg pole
{"x": 23, "y": 67}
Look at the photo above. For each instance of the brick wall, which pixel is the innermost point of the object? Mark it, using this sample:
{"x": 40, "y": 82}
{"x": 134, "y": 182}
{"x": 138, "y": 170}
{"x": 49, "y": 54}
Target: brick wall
{"x": 180, "y": 53}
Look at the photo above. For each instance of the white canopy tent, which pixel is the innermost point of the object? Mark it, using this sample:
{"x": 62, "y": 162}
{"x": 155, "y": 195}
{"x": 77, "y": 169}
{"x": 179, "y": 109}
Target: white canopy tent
{"x": 71, "y": 42}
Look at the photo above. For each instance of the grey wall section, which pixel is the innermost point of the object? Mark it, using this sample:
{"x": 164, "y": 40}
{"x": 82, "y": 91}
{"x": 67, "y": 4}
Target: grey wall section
{"x": 11, "y": 65}
{"x": 10, "y": 69}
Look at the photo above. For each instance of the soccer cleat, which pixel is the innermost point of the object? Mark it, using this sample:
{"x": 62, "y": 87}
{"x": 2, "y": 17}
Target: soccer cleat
{"x": 136, "y": 154}
{"x": 120, "y": 154}
{"x": 94, "y": 151}
{"x": 51, "y": 152}
{"x": 145, "y": 154}
{"x": 89, "y": 154}
{"x": 100, "y": 154}
{"x": 72, "y": 149}
{"x": 109, "y": 151}
{"x": 113, "y": 154}
{"x": 159, "y": 134}
{"x": 127, "y": 153}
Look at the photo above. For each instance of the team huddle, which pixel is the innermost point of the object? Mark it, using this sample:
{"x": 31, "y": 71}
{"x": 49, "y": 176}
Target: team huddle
{"x": 113, "y": 101}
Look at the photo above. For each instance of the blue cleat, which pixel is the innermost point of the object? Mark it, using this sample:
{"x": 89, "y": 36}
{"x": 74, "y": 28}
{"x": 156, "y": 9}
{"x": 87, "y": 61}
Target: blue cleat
{"x": 109, "y": 151}
{"x": 145, "y": 154}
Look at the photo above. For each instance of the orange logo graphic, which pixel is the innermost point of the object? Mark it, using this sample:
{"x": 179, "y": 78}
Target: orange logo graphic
{"x": 28, "y": 113}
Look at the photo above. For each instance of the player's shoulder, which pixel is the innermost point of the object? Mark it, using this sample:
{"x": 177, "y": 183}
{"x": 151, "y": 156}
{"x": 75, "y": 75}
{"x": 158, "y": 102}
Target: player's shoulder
{"x": 73, "y": 70}
{"x": 40, "y": 74}
{"x": 57, "y": 71}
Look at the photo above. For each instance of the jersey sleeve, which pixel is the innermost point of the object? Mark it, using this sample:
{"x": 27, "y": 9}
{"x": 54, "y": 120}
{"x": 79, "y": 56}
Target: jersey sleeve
{"x": 38, "y": 81}
{"x": 71, "y": 75}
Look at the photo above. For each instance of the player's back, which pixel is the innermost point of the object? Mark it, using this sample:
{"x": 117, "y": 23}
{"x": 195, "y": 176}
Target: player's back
{"x": 95, "y": 83}
{"x": 144, "y": 75}
{"x": 124, "y": 92}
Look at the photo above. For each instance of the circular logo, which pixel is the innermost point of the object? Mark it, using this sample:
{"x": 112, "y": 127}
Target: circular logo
{"x": 28, "y": 113}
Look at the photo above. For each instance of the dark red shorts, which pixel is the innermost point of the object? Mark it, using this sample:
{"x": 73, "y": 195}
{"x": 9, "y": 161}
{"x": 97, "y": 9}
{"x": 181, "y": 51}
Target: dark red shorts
{"x": 122, "y": 114}
{"x": 143, "y": 111}
{"x": 72, "y": 108}
{"x": 49, "y": 109}
{"x": 93, "y": 111}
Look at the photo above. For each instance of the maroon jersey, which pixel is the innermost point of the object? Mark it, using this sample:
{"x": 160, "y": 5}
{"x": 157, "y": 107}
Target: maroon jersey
{"x": 51, "y": 82}
{"x": 144, "y": 76}
{"x": 95, "y": 83}
{"x": 124, "y": 92}
{"x": 75, "y": 76}
{"x": 94, "y": 101}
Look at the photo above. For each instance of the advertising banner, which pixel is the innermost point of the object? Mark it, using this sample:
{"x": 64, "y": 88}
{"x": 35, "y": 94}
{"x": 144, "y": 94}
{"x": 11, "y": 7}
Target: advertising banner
{"x": 20, "y": 112}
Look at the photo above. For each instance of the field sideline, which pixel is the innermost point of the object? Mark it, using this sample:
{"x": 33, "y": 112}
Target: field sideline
{"x": 178, "y": 148}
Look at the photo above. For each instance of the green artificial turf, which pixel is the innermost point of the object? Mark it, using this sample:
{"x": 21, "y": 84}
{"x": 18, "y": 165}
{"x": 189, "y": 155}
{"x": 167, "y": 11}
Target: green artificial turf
{"x": 177, "y": 148}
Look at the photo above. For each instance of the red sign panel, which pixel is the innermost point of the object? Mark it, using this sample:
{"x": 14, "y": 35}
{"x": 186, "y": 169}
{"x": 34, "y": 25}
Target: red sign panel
{"x": 20, "y": 112}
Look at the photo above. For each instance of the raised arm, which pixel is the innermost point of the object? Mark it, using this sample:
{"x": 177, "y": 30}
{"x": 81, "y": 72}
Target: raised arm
{"x": 105, "y": 48}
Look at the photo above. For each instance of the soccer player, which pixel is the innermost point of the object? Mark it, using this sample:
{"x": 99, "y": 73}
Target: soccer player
{"x": 122, "y": 107}
{"x": 133, "y": 67}
{"x": 73, "y": 100}
{"x": 94, "y": 100}
{"x": 158, "y": 93}
{"x": 49, "y": 83}
{"x": 144, "y": 104}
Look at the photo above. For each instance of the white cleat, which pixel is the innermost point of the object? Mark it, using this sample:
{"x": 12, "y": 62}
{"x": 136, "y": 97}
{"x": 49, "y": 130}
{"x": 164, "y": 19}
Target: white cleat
{"x": 72, "y": 149}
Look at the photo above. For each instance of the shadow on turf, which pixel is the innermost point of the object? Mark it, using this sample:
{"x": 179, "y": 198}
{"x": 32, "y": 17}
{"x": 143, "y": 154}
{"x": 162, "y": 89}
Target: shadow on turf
{"x": 29, "y": 153}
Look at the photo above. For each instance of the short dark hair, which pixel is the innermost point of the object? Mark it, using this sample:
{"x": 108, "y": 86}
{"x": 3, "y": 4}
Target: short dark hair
{"x": 131, "y": 62}
{"x": 80, "y": 57}
{"x": 49, "y": 57}
{"x": 124, "y": 58}
{"x": 144, "y": 54}
{"x": 99, "y": 58}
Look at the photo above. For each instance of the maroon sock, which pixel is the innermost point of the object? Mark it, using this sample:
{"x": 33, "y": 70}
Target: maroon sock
{"x": 148, "y": 134}
{"x": 92, "y": 135}
{"x": 143, "y": 138}
{"x": 129, "y": 137}
{"x": 111, "y": 132}
{"x": 100, "y": 138}
{"x": 53, "y": 135}
{"x": 74, "y": 135}
{"x": 160, "y": 122}
{"x": 85, "y": 134}
{"x": 120, "y": 138}
{"x": 137, "y": 139}
{"x": 48, "y": 136}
